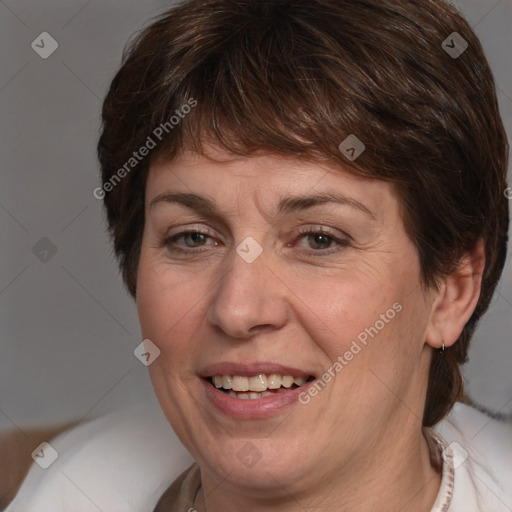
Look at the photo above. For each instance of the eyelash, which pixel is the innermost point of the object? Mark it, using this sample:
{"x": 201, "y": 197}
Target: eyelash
{"x": 340, "y": 243}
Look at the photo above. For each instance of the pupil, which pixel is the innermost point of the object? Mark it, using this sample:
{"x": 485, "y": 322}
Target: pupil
{"x": 321, "y": 240}
{"x": 195, "y": 238}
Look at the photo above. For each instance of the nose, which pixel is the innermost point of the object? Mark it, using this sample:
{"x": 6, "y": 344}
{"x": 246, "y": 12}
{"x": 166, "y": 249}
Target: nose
{"x": 249, "y": 299}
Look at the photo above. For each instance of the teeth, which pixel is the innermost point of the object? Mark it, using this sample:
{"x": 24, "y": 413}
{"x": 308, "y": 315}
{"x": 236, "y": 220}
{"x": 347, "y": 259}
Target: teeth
{"x": 258, "y": 383}
{"x": 274, "y": 381}
{"x": 226, "y": 382}
{"x": 287, "y": 381}
{"x": 250, "y": 396}
{"x": 239, "y": 385}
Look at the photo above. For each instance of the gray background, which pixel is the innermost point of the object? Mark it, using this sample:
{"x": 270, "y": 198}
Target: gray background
{"x": 68, "y": 328}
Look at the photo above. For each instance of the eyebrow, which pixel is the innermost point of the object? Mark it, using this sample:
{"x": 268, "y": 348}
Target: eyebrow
{"x": 298, "y": 203}
{"x": 193, "y": 201}
{"x": 286, "y": 205}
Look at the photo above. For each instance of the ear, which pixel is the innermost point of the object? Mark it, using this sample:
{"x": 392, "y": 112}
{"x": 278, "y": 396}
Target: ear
{"x": 457, "y": 298}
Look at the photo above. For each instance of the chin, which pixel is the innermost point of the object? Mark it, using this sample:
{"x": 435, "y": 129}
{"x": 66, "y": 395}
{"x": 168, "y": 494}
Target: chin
{"x": 255, "y": 463}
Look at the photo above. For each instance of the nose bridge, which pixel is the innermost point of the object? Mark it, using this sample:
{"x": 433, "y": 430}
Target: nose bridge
{"x": 246, "y": 295}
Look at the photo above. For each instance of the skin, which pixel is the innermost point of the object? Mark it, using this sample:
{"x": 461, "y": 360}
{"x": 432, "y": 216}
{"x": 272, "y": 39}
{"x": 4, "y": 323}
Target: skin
{"x": 358, "y": 444}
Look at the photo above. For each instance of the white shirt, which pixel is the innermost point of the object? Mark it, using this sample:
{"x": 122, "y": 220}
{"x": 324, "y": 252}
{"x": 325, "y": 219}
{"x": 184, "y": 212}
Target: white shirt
{"x": 123, "y": 462}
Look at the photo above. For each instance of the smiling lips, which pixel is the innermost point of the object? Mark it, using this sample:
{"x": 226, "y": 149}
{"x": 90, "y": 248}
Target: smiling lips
{"x": 253, "y": 390}
{"x": 257, "y": 386}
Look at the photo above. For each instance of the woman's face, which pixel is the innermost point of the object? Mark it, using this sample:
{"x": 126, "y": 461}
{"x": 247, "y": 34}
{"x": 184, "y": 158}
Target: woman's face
{"x": 277, "y": 269}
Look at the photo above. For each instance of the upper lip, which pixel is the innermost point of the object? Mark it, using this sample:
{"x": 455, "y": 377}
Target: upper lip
{"x": 251, "y": 369}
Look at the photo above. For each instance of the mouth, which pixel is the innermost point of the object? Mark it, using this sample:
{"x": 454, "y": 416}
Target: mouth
{"x": 258, "y": 386}
{"x": 253, "y": 390}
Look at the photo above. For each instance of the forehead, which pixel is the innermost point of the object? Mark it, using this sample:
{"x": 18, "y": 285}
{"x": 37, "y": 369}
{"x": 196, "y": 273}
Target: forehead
{"x": 263, "y": 179}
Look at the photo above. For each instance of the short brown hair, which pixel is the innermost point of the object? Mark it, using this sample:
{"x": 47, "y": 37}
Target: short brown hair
{"x": 296, "y": 77}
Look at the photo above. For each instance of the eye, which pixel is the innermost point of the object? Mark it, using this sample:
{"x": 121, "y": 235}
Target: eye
{"x": 319, "y": 240}
{"x": 187, "y": 240}
{"x": 193, "y": 238}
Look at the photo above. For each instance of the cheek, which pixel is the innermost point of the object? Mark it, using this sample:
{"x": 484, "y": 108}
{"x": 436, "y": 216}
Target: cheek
{"x": 170, "y": 307}
{"x": 159, "y": 304}
{"x": 340, "y": 310}
{"x": 151, "y": 302}
{"x": 369, "y": 324}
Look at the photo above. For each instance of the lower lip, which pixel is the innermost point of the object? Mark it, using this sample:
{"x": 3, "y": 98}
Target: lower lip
{"x": 254, "y": 407}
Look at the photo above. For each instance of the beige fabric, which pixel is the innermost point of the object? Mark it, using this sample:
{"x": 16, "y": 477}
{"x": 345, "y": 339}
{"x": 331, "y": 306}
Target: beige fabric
{"x": 181, "y": 494}
{"x": 16, "y": 447}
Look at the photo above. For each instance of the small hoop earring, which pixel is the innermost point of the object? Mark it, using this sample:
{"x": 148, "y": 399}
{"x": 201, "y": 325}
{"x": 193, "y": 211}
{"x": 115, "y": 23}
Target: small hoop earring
{"x": 442, "y": 348}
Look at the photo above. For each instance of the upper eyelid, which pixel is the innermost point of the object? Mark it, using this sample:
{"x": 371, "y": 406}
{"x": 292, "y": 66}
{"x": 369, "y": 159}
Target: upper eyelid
{"x": 193, "y": 228}
{"x": 300, "y": 234}
{"x": 174, "y": 236}
{"x": 318, "y": 228}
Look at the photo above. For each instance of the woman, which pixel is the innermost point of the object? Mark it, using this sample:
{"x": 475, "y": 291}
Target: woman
{"x": 307, "y": 202}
